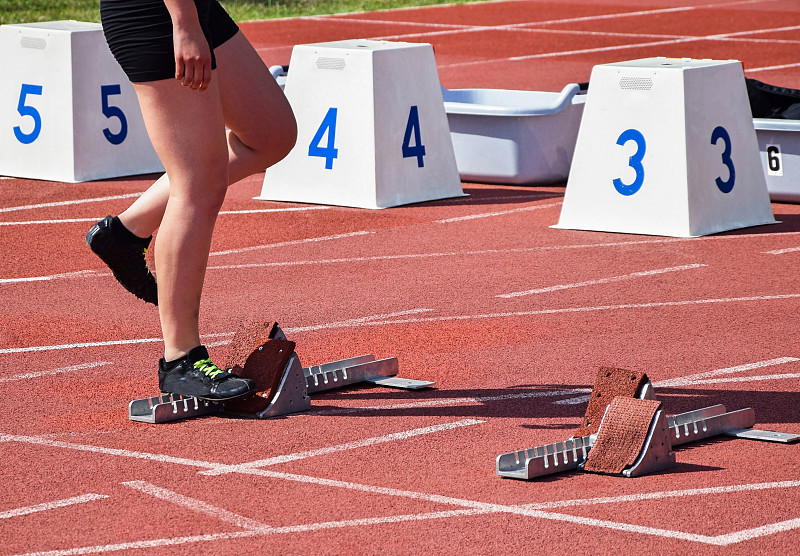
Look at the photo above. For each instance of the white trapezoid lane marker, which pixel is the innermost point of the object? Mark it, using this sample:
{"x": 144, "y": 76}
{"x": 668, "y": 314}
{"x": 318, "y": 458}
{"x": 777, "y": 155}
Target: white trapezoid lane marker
{"x": 199, "y": 506}
{"x": 46, "y": 506}
{"x": 602, "y": 280}
{"x": 720, "y": 540}
{"x": 404, "y": 435}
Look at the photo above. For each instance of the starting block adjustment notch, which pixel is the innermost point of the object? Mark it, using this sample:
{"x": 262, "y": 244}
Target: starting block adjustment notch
{"x": 659, "y": 152}
{"x": 372, "y": 128}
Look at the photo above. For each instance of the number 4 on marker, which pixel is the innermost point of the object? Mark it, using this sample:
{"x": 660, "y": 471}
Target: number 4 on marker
{"x": 328, "y": 152}
{"x": 418, "y": 149}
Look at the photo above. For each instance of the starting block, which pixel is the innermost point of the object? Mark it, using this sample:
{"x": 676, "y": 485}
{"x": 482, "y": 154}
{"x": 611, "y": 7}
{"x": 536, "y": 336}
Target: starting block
{"x": 263, "y": 353}
{"x": 634, "y": 436}
{"x": 67, "y": 110}
{"x": 372, "y": 128}
{"x": 666, "y": 147}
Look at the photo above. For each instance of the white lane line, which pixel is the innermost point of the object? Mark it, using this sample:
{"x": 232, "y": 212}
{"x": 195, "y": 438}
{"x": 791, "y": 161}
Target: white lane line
{"x": 199, "y": 506}
{"x": 99, "y": 344}
{"x": 689, "y": 379}
{"x": 782, "y": 251}
{"x": 292, "y": 242}
{"x": 602, "y": 280}
{"x": 496, "y": 213}
{"x": 581, "y": 502}
{"x": 71, "y": 202}
{"x": 222, "y": 213}
{"x": 404, "y": 435}
{"x": 357, "y": 321}
{"x": 46, "y": 506}
{"x": 98, "y": 273}
{"x": 758, "y": 378}
{"x": 705, "y": 377}
{"x": 365, "y": 321}
{"x": 770, "y": 68}
{"x": 80, "y": 367}
{"x": 435, "y": 498}
{"x": 77, "y": 274}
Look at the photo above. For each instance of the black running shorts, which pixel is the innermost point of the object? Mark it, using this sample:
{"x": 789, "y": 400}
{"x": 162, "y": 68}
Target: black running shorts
{"x": 139, "y": 34}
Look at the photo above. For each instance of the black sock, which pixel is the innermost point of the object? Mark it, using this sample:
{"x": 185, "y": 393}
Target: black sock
{"x": 123, "y": 233}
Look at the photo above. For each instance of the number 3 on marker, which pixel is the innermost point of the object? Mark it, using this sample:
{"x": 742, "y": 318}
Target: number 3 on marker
{"x": 722, "y": 133}
{"x": 634, "y": 161}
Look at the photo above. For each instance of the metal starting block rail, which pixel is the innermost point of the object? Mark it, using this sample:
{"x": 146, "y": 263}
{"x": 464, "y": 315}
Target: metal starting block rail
{"x": 291, "y": 394}
{"x": 682, "y": 429}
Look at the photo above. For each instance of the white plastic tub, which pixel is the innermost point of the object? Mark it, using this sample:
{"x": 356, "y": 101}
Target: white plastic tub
{"x": 779, "y": 143}
{"x": 514, "y": 137}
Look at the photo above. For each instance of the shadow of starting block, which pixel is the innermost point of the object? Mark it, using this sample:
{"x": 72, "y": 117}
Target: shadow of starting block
{"x": 262, "y": 353}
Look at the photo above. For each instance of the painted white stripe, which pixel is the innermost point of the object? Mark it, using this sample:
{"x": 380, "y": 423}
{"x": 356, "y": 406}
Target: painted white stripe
{"x": 80, "y": 367}
{"x": 199, "y": 506}
{"x": 699, "y": 377}
{"x": 602, "y": 280}
{"x": 664, "y": 494}
{"x": 222, "y": 213}
{"x": 71, "y": 202}
{"x": 782, "y": 251}
{"x": 77, "y": 274}
{"x": 46, "y": 506}
{"x": 388, "y": 491}
{"x": 689, "y": 379}
{"x": 769, "y": 68}
{"x": 496, "y": 213}
{"x": 404, "y": 435}
{"x": 365, "y": 321}
{"x": 289, "y": 243}
{"x": 356, "y": 321}
{"x": 747, "y": 378}
{"x": 764, "y": 530}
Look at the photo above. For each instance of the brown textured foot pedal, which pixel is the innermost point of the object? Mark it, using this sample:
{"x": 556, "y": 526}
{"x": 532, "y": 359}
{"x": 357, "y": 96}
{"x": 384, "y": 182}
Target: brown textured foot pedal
{"x": 633, "y": 439}
{"x": 609, "y": 384}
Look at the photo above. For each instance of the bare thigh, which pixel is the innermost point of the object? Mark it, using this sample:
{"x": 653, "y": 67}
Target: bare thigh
{"x": 253, "y": 104}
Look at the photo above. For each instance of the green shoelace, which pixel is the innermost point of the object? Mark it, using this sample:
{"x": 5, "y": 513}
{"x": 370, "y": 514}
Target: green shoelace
{"x": 208, "y": 368}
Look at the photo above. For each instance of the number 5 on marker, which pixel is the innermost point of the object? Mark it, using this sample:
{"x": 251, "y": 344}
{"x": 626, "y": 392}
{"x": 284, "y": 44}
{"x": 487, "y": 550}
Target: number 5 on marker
{"x": 27, "y": 110}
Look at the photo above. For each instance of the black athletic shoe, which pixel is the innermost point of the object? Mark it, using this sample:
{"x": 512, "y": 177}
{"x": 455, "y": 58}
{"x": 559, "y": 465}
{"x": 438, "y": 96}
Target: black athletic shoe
{"x": 125, "y": 254}
{"x": 195, "y": 375}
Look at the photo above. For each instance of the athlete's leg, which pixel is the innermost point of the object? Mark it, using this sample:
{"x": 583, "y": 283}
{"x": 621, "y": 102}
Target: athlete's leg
{"x": 261, "y": 128}
{"x": 187, "y": 130}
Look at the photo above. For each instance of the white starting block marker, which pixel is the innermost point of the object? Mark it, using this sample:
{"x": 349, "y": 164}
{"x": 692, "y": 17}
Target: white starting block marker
{"x": 666, "y": 147}
{"x": 67, "y": 111}
{"x": 372, "y": 129}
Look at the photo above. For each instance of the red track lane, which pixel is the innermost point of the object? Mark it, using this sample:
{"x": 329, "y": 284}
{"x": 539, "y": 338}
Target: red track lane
{"x": 381, "y": 471}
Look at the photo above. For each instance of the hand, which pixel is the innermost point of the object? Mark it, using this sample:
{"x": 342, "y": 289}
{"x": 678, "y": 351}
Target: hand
{"x": 192, "y": 57}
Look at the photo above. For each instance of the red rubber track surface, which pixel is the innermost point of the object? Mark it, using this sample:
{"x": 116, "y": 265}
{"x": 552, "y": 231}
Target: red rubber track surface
{"x": 378, "y": 471}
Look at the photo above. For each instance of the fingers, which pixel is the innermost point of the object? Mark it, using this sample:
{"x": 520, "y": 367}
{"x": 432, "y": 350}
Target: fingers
{"x": 193, "y": 73}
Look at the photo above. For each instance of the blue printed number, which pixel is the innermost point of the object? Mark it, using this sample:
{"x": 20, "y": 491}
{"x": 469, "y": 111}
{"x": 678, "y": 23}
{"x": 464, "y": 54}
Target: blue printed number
{"x": 110, "y": 111}
{"x": 418, "y": 149}
{"x": 722, "y": 133}
{"x": 25, "y": 110}
{"x": 328, "y": 152}
{"x": 634, "y": 161}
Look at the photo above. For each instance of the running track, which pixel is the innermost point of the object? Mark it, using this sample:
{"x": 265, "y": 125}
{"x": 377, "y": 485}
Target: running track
{"x": 510, "y": 317}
